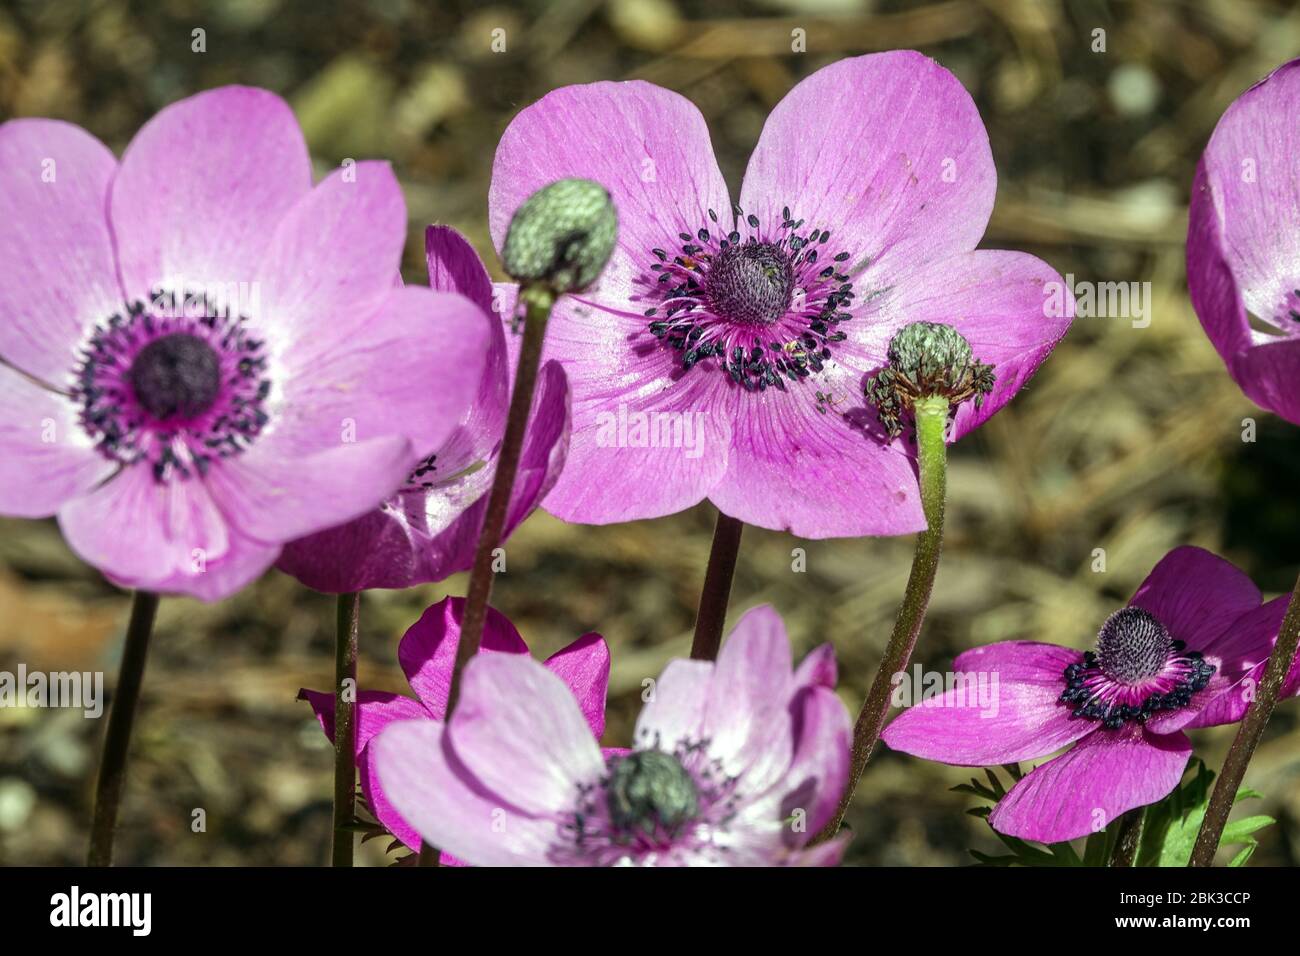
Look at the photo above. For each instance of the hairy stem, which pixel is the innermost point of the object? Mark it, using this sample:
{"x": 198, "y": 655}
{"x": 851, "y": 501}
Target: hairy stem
{"x": 345, "y": 727}
{"x": 932, "y": 455}
{"x": 1248, "y": 736}
{"x": 539, "y": 300}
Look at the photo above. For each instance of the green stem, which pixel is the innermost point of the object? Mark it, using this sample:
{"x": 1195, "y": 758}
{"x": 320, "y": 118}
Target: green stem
{"x": 117, "y": 739}
{"x": 932, "y": 455}
{"x": 345, "y": 727}
{"x": 1248, "y": 735}
{"x": 716, "y": 592}
{"x": 539, "y": 301}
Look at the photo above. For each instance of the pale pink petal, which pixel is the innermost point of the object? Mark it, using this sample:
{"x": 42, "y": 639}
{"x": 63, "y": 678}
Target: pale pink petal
{"x": 59, "y": 277}
{"x": 429, "y": 786}
{"x": 519, "y": 731}
{"x": 203, "y": 186}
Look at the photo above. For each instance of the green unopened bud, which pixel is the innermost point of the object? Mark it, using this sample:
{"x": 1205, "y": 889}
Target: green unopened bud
{"x": 926, "y": 359}
{"x": 562, "y": 235}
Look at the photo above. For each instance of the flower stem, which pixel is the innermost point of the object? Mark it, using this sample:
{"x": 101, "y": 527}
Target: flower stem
{"x": 717, "y": 588}
{"x": 932, "y": 455}
{"x": 345, "y": 727}
{"x": 539, "y": 298}
{"x": 429, "y": 856}
{"x": 1248, "y": 735}
{"x": 117, "y": 740}
{"x": 1130, "y": 833}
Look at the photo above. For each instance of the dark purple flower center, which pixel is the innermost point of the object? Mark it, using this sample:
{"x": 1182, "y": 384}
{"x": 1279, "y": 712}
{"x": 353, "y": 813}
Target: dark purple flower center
{"x": 762, "y": 307}
{"x": 172, "y": 385}
{"x": 1137, "y": 670}
{"x": 176, "y": 376}
{"x": 750, "y": 283}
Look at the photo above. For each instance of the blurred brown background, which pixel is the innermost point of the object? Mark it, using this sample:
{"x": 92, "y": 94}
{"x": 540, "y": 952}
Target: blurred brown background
{"x": 1130, "y": 439}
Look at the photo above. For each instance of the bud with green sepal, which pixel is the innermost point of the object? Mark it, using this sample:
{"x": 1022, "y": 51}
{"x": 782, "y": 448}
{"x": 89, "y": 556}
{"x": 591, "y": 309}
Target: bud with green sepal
{"x": 562, "y": 236}
{"x": 926, "y": 359}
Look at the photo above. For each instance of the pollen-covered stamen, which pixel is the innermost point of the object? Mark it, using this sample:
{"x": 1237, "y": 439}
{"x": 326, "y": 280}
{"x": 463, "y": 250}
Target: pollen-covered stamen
{"x": 1286, "y": 316}
{"x": 1137, "y": 670}
{"x": 926, "y": 359}
{"x": 173, "y": 388}
{"x": 762, "y": 307}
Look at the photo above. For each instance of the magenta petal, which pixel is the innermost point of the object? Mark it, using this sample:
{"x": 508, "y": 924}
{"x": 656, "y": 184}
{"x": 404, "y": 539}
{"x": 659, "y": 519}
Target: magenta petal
{"x": 1197, "y": 595}
{"x": 520, "y": 733}
{"x": 864, "y": 486}
{"x": 1239, "y": 656}
{"x": 1210, "y": 282}
{"x": 646, "y": 441}
{"x": 541, "y": 462}
{"x": 454, "y": 266}
{"x": 1089, "y": 786}
{"x": 818, "y": 669}
{"x": 376, "y": 709}
{"x": 1268, "y": 374}
{"x": 886, "y": 150}
{"x": 584, "y": 666}
{"x": 1020, "y": 717}
{"x": 203, "y": 186}
{"x": 428, "y": 785}
{"x": 427, "y": 651}
{"x": 815, "y": 780}
{"x": 648, "y": 146}
{"x": 60, "y": 276}
{"x": 747, "y": 720}
{"x": 47, "y": 459}
{"x": 372, "y": 551}
{"x": 1250, "y": 174}
{"x": 1011, "y": 307}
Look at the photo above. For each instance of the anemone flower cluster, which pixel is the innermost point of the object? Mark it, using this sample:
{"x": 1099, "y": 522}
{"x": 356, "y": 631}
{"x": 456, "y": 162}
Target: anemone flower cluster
{"x": 209, "y": 366}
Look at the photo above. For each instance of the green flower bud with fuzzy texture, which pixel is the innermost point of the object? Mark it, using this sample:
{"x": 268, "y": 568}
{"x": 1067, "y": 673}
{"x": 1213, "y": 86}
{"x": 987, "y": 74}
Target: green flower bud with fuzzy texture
{"x": 563, "y": 235}
{"x": 926, "y": 359}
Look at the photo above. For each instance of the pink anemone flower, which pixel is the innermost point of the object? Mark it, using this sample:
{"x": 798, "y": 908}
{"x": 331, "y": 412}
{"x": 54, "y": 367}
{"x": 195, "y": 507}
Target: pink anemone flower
{"x": 725, "y": 351}
{"x": 734, "y": 762}
{"x": 1178, "y": 656}
{"x": 426, "y": 654}
{"x": 202, "y": 356}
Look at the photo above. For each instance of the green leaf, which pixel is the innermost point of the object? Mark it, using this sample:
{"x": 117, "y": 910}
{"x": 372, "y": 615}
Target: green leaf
{"x": 1245, "y": 854}
{"x": 1173, "y": 823}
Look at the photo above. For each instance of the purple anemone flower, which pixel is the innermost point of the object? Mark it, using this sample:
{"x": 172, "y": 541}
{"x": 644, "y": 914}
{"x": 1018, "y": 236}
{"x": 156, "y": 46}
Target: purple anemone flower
{"x": 427, "y": 653}
{"x": 1243, "y": 242}
{"x": 736, "y": 762}
{"x": 201, "y": 355}
{"x": 1180, "y": 655}
{"x": 429, "y": 528}
{"x": 725, "y": 350}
